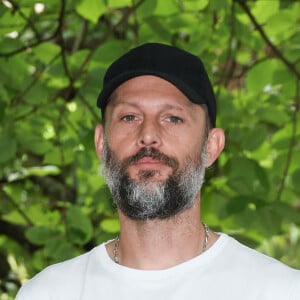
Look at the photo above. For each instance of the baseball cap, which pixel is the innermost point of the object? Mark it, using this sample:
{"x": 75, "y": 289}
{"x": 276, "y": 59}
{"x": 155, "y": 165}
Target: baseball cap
{"x": 183, "y": 69}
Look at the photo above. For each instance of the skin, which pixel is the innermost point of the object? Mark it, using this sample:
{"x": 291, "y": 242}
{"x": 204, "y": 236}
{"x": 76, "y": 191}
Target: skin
{"x": 147, "y": 111}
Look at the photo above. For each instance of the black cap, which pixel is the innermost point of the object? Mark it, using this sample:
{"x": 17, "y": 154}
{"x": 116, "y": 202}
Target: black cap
{"x": 182, "y": 69}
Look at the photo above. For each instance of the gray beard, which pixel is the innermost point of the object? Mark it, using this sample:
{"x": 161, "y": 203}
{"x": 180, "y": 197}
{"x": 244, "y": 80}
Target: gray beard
{"x": 144, "y": 198}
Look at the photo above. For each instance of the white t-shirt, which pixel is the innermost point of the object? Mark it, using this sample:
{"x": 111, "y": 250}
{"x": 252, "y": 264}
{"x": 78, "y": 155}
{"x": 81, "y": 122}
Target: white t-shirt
{"x": 228, "y": 270}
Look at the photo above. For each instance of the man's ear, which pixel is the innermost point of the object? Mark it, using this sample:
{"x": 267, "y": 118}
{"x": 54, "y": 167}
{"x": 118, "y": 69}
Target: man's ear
{"x": 215, "y": 145}
{"x": 98, "y": 139}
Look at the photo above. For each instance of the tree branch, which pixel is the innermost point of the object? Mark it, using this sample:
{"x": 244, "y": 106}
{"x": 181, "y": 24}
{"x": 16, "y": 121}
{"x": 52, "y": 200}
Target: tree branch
{"x": 17, "y": 233}
{"x": 40, "y": 41}
{"x": 292, "y": 143}
{"x": 62, "y": 41}
{"x": 91, "y": 109}
{"x": 136, "y": 23}
{"x": 80, "y": 36}
{"x": 16, "y": 7}
{"x": 224, "y": 76}
{"x": 24, "y": 48}
{"x": 16, "y": 206}
{"x": 290, "y": 66}
{"x": 105, "y": 37}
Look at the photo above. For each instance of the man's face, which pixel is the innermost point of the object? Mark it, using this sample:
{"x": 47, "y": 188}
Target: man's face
{"x": 153, "y": 148}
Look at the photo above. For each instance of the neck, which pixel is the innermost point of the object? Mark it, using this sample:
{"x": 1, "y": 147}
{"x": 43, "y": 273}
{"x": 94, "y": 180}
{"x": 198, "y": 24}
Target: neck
{"x": 160, "y": 244}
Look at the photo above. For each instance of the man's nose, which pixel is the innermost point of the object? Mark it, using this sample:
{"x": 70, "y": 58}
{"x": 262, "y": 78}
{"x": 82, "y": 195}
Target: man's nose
{"x": 149, "y": 134}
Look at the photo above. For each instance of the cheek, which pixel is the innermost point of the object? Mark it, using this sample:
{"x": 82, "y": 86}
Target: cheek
{"x": 121, "y": 145}
{"x": 193, "y": 149}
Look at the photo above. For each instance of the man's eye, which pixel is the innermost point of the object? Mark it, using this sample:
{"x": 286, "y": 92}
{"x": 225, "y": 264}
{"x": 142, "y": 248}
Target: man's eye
{"x": 128, "y": 118}
{"x": 175, "y": 120}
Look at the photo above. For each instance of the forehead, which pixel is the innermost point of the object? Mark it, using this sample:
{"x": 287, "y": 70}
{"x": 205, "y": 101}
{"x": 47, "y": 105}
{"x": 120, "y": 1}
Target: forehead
{"x": 148, "y": 90}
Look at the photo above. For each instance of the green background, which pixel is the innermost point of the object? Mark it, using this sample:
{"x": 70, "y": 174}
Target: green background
{"x": 53, "y": 55}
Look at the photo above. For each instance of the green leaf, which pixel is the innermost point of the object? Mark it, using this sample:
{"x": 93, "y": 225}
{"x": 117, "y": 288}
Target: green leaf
{"x": 182, "y": 22}
{"x": 237, "y": 204}
{"x": 40, "y": 235}
{"x": 20, "y": 75}
{"x": 59, "y": 249}
{"x": 55, "y": 77}
{"x": 280, "y": 26}
{"x": 146, "y": 9}
{"x": 296, "y": 180}
{"x": 91, "y": 9}
{"x": 166, "y": 8}
{"x": 45, "y": 52}
{"x": 195, "y": 5}
{"x": 59, "y": 156}
{"x": 157, "y": 28}
{"x": 119, "y": 3}
{"x": 286, "y": 211}
{"x": 3, "y": 95}
{"x": 254, "y": 137}
{"x": 260, "y": 76}
{"x": 10, "y": 22}
{"x": 218, "y": 5}
{"x": 3, "y": 9}
{"x": 273, "y": 114}
{"x": 2, "y": 107}
{"x": 8, "y": 148}
{"x": 246, "y": 176}
{"x": 8, "y": 45}
{"x": 110, "y": 51}
{"x": 284, "y": 80}
{"x": 263, "y": 10}
{"x": 80, "y": 229}
{"x": 110, "y": 225}
{"x": 76, "y": 60}
{"x": 34, "y": 144}
{"x": 269, "y": 219}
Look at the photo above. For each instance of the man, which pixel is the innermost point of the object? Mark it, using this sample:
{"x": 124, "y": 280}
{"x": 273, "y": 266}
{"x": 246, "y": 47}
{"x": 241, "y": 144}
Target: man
{"x": 157, "y": 138}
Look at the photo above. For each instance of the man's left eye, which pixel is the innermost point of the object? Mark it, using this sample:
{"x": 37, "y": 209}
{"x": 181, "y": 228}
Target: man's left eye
{"x": 174, "y": 119}
{"x": 129, "y": 118}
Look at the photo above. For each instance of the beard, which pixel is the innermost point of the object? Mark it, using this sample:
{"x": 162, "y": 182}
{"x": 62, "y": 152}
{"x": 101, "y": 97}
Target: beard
{"x": 145, "y": 198}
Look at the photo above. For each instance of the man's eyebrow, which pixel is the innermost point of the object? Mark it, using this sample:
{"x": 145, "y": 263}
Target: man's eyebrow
{"x": 175, "y": 107}
{"x": 165, "y": 106}
{"x": 121, "y": 103}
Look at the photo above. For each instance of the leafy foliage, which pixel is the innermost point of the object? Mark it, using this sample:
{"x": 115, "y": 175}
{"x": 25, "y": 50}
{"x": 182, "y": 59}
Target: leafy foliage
{"x": 53, "y": 54}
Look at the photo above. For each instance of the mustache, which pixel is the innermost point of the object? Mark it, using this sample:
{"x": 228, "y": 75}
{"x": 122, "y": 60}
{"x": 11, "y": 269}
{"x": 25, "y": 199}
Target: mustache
{"x": 151, "y": 152}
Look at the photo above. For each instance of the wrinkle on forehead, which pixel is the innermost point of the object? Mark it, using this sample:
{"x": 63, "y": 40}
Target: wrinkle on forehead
{"x": 149, "y": 91}
{"x": 134, "y": 104}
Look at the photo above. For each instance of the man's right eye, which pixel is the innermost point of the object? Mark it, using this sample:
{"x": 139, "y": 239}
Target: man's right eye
{"x": 128, "y": 118}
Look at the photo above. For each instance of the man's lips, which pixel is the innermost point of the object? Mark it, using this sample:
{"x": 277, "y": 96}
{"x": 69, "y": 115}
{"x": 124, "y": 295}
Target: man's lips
{"x": 148, "y": 161}
{"x": 150, "y": 158}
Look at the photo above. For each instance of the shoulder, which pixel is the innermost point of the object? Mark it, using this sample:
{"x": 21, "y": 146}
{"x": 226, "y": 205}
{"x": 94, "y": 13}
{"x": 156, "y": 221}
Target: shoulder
{"x": 252, "y": 259}
{"x": 261, "y": 270}
{"x": 60, "y": 278}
